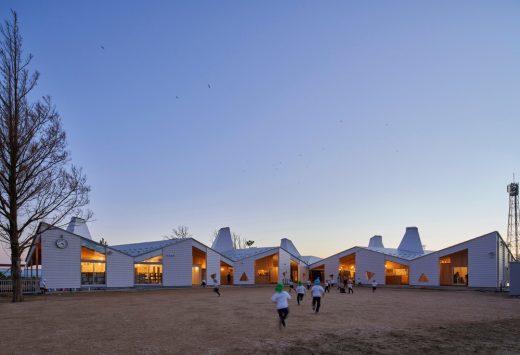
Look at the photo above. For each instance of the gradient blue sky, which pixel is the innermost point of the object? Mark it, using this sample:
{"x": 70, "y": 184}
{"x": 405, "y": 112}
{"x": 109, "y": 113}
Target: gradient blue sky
{"x": 326, "y": 122}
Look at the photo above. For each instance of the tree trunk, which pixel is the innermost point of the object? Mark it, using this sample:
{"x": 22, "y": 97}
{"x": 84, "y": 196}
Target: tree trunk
{"x": 16, "y": 272}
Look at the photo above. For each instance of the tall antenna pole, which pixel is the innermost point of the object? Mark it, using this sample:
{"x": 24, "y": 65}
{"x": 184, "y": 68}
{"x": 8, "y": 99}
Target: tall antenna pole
{"x": 512, "y": 225}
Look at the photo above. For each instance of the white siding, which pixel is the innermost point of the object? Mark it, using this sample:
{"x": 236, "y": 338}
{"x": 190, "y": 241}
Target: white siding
{"x": 247, "y": 266}
{"x": 61, "y": 267}
{"x": 367, "y": 260}
{"x": 482, "y": 261}
{"x": 120, "y": 269}
{"x": 302, "y": 271}
{"x": 177, "y": 263}
{"x": 212, "y": 265}
{"x": 284, "y": 265}
{"x": 427, "y": 265}
{"x": 331, "y": 268}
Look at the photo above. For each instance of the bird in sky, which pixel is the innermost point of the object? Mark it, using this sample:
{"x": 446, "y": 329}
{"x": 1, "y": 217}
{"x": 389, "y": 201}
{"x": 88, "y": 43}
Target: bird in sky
{"x": 102, "y": 47}
{"x": 176, "y": 97}
{"x": 209, "y": 86}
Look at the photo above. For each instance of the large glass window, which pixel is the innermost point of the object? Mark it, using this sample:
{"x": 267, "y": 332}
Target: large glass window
{"x": 395, "y": 273}
{"x": 93, "y": 263}
{"x": 149, "y": 271}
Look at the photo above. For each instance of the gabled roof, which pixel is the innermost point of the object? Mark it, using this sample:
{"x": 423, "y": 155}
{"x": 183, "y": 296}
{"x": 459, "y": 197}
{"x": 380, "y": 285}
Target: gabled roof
{"x": 136, "y": 249}
{"x": 238, "y": 254}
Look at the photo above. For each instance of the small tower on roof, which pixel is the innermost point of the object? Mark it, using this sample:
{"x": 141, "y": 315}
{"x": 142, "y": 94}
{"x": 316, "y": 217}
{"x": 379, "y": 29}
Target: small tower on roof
{"x": 376, "y": 242}
{"x": 79, "y": 227}
{"x": 411, "y": 241}
{"x": 289, "y": 246}
{"x": 223, "y": 242}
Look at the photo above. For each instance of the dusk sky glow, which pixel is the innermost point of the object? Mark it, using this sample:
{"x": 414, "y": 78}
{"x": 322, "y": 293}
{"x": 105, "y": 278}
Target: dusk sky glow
{"x": 323, "y": 122}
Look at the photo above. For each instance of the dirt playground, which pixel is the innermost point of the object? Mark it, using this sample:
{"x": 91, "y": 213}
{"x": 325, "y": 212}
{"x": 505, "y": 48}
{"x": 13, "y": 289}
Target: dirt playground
{"x": 244, "y": 321}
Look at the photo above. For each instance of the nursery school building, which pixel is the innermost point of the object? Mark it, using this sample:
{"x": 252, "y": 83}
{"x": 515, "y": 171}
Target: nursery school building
{"x": 68, "y": 259}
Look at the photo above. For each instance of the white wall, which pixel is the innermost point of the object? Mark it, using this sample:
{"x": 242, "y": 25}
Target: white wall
{"x": 482, "y": 261}
{"x": 212, "y": 265}
{"x": 331, "y": 267}
{"x": 428, "y": 265}
{"x": 177, "y": 263}
{"x": 247, "y": 266}
{"x": 61, "y": 267}
{"x": 367, "y": 260}
{"x": 284, "y": 265}
{"x": 120, "y": 269}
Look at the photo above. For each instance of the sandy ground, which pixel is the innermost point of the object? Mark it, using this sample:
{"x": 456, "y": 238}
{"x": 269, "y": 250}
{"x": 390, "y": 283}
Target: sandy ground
{"x": 243, "y": 320}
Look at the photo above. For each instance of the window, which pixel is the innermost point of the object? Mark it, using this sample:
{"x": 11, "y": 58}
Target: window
{"x": 93, "y": 263}
{"x": 149, "y": 271}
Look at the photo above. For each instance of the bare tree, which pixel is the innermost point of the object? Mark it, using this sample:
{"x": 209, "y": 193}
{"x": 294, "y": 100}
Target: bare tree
{"x": 37, "y": 180}
{"x": 238, "y": 241}
{"x": 181, "y": 232}
{"x": 213, "y": 236}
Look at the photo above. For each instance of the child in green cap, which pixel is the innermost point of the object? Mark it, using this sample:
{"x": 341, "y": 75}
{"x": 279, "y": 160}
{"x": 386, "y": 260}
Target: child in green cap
{"x": 281, "y": 298}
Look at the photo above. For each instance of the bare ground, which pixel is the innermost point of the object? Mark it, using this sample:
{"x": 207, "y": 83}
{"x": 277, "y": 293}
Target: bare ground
{"x": 243, "y": 321}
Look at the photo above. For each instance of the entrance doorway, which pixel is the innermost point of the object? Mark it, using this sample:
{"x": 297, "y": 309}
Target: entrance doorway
{"x": 198, "y": 268}
{"x": 226, "y": 274}
{"x": 347, "y": 267}
{"x": 317, "y": 273}
{"x": 454, "y": 269}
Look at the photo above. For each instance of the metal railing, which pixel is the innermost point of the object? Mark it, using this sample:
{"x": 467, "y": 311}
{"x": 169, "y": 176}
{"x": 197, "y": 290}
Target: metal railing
{"x": 28, "y": 286}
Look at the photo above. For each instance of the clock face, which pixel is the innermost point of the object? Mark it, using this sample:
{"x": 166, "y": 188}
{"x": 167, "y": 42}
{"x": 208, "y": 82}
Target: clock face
{"x": 61, "y": 243}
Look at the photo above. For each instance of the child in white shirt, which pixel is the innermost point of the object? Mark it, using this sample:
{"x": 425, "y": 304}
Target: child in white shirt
{"x": 350, "y": 286}
{"x": 374, "y": 285}
{"x": 281, "y": 298}
{"x": 300, "y": 290}
{"x": 317, "y": 293}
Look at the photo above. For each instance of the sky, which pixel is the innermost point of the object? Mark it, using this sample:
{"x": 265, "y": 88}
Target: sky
{"x": 323, "y": 122}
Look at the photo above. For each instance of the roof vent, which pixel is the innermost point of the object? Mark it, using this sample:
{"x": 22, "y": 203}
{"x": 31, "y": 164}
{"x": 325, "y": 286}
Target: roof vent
{"x": 79, "y": 227}
{"x": 376, "y": 242}
{"x": 411, "y": 241}
{"x": 223, "y": 241}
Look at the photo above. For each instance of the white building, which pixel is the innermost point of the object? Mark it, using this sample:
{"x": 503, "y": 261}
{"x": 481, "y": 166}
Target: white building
{"x": 481, "y": 262}
{"x": 70, "y": 259}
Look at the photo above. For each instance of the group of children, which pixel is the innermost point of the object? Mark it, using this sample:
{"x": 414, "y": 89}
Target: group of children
{"x": 281, "y": 297}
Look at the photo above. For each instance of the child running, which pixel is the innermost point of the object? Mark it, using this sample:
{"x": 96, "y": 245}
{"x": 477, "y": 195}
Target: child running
{"x": 281, "y": 298}
{"x": 300, "y": 290}
{"x": 374, "y": 285}
{"x": 216, "y": 286}
{"x": 327, "y": 287}
{"x": 350, "y": 287}
{"x": 317, "y": 293}
{"x": 309, "y": 284}
{"x": 291, "y": 286}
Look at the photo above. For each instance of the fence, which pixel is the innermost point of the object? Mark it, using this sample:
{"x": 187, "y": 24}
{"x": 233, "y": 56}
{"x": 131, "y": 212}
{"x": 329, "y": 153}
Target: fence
{"x": 28, "y": 286}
